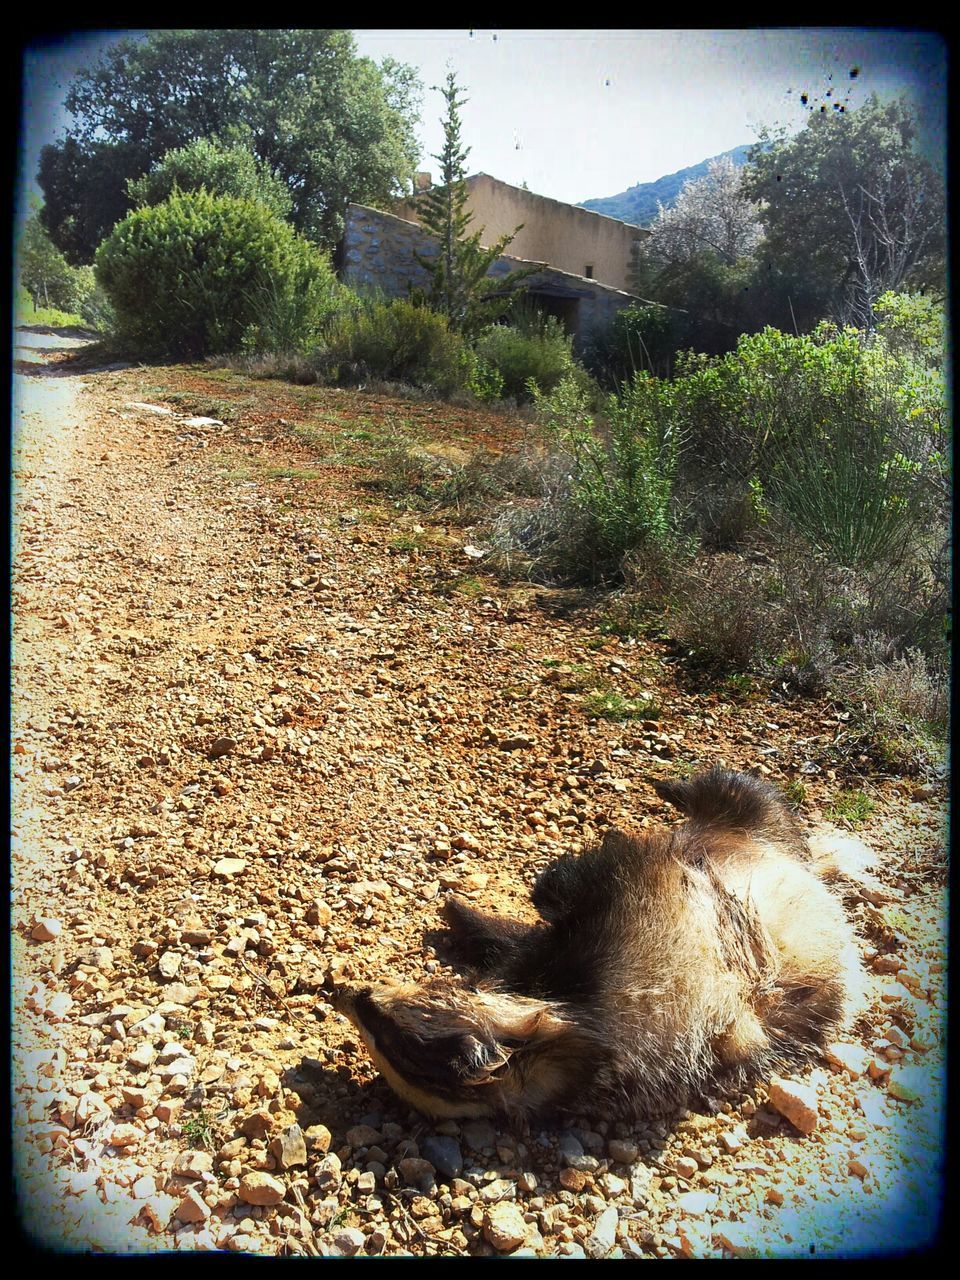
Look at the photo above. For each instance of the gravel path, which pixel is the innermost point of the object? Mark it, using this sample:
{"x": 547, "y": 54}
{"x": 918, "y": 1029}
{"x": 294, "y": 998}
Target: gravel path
{"x": 262, "y": 723}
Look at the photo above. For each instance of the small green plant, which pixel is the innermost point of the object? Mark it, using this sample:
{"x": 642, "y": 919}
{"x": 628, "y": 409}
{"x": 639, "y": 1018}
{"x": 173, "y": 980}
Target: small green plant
{"x": 483, "y": 379}
{"x": 627, "y": 620}
{"x": 852, "y": 808}
{"x": 198, "y": 1130}
{"x": 738, "y": 687}
{"x": 795, "y": 792}
{"x": 574, "y": 677}
{"x": 407, "y": 542}
{"x": 468, "y": 586}
{"x": 607, "y": 704}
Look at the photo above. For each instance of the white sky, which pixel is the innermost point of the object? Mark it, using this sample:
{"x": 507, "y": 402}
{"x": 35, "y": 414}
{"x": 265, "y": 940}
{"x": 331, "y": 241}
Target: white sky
{"x": 583, "y": 113}
{"x": 578, "y": 114}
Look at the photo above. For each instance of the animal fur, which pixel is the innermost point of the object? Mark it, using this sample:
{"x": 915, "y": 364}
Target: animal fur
{"x": 665, "y": 966}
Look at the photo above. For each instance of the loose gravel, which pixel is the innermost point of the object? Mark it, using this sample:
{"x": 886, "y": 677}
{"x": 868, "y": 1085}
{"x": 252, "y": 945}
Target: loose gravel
{"x": 263, "y": 720}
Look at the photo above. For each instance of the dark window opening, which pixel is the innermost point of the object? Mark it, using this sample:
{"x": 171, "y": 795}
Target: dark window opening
{"x": 588, "y": 271}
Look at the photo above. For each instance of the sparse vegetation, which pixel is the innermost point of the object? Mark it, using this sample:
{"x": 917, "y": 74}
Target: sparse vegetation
{"x": 851, "y": 808}
{"x": 608, "y": 704}
{"x": 795, "y": 792}
{"x": 198, "y": 1130}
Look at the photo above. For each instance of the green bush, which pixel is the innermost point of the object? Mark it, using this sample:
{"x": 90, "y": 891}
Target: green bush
{"x": 640, "y": 337}
{"x": 217, "y": 167}
{"x": 844, "y": 445}
{"x": 533, "y": 355}
{"x": 620, "y": 473}
{"x": 483, "y": 379}
{"x": 396, "y": 341}
{"x": 202, "y": 274}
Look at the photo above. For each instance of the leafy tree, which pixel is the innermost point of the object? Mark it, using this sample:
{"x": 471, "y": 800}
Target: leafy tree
{"x": 711, "y": 215}
{"x": 462, "y": 288}
{"x": 44, "y": 271}
{"x": 333, "y": 126}
{"x": 84, "y": 187}
{"x": 699, "y": 264}
{"x": 222, "y": 169}
{"x": 850, "y": 209}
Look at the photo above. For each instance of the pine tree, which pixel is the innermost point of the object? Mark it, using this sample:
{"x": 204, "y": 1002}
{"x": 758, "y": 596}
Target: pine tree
{"x": 461, "y": 288}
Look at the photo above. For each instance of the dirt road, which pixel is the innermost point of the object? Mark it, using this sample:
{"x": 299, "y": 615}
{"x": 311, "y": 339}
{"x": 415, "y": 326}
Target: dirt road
{"x": 262, "y": 722}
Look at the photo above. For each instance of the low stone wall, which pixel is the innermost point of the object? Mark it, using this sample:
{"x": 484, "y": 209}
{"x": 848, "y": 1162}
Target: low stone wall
{"x": 378, "y": 249}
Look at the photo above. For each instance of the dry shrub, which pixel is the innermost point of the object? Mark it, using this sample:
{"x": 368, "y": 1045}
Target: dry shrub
{"x": 720, "y": 607}
{"x": 899, "y": 704}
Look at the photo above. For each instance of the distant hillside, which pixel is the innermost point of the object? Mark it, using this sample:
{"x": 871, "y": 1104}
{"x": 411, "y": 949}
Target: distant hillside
{"x": 639, "y": 204}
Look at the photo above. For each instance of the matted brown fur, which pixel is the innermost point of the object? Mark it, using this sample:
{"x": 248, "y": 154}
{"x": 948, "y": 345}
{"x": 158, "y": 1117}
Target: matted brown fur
{"x": 666, "y": 965}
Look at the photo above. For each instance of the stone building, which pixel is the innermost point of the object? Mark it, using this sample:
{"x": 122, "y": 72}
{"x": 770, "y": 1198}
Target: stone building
{"x": 583, "y": 256}
{"x": 578, "y": 241}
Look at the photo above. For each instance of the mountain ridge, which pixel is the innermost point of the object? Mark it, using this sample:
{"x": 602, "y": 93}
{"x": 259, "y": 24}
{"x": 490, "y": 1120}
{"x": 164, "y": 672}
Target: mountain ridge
{"x": 638, "y": 205}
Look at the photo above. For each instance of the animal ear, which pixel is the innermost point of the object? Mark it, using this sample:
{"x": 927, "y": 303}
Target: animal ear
{"x": 482, "y": 1058}
{"x": 480, "y": 1061}
{"x": 674, "y": 790}
{"x": 480, "y": 939}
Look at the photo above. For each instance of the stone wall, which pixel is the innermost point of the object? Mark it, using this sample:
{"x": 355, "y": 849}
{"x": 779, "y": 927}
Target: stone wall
{"x": 377, "y": 252}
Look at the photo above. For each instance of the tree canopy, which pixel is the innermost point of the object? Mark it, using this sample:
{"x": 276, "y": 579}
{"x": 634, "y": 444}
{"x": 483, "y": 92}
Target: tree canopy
{"x": 711, "y": 215}
{"x": 333, "y": 126}
{"x": 850, "y": 208}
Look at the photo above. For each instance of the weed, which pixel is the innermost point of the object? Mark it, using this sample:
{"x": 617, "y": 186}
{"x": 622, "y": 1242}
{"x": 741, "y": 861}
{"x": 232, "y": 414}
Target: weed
{"x": 795, "y": 792}
{"x": 626, "y": 620}
{"x": 198, "y": 1130}
{"x": 852, "y": 808}
{"x": 607, "y": 704}
{"x": 899, "y": 705}
{"x": 200, "y": 405}
{"x": 738, "y": 687}
{"x": 291, "y": 473}
{"x": 719, "y": 609}
{"x": 575, "y": 676}
{"x": 407, "y": 542}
